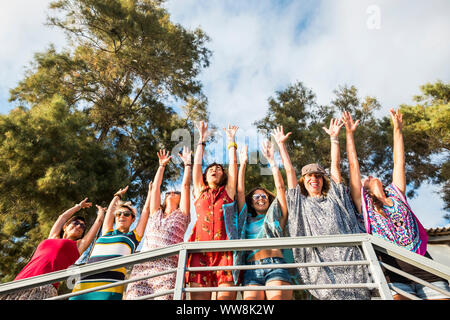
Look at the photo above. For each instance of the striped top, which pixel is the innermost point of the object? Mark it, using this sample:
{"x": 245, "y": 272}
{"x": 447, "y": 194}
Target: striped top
{"x": 113, "y": 244}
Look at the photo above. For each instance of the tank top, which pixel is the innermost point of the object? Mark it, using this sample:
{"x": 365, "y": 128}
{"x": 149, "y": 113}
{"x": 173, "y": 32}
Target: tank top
{"x": 51, "y": 255}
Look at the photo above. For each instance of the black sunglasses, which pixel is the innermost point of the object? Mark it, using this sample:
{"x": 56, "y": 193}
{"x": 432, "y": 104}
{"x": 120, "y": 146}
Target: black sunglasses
{"x": 79, "y": 223}
{"x": 125, "y": 213}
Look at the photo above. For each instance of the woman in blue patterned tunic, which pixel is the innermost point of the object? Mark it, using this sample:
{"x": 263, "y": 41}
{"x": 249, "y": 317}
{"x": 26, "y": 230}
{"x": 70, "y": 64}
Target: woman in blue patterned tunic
{"x": 114, "y": 243}
{"x": 319, "y": 205}
{"x": 260, "y": 214}
{"x": 387, "y": 214}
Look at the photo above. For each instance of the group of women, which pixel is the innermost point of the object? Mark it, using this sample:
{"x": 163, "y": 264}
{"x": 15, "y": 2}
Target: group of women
{"x": 315, "y": 204}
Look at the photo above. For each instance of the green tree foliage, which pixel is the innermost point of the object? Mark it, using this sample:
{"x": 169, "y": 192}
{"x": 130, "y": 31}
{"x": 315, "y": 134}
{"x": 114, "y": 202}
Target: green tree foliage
{"x": 427, "y": 133}
{"x": 50, "y": 160}
{"x": 130, "y": 69}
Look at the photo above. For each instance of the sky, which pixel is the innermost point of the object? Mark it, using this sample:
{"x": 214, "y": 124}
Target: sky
{"x": 386, "y": 49}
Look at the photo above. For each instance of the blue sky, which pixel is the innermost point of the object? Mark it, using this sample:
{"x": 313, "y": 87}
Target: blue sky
{"x": 260, "y": 46}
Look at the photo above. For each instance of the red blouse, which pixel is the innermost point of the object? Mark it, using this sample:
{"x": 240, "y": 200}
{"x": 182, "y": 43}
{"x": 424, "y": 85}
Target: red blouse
{"x": 210, "y": 224}
{"x": 51, "y": 255}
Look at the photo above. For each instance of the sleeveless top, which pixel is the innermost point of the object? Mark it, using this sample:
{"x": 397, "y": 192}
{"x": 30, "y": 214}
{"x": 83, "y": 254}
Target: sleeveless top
{"x": 161, "y": 232}
{"x": 210, "y": 223}
{"x": 165, "y": 231}
{"x": 51, "y": 255}
{"x": 112, "y": 244}
{"x": 399, "y": 225}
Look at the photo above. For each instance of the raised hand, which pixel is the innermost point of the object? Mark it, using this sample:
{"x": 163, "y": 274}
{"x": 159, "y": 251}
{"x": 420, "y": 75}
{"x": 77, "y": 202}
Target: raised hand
{"x": 350, "y": 126}
{"x": 279, "y": 135}
{"x": 121, "y": 192}
{"x": 397, "y": 119}
{"x": 231, "y": 132}
{"x": 335, "y": 126}
{"x": 268, "y": 151}
{"x": 186, "y": 155}
{"x": 84, "y": 204}
{"x": 100, "y": 211}
{"x": 243, "y": 154}
{"x": 164, "y": 157}
{"x": 202, "y": 128}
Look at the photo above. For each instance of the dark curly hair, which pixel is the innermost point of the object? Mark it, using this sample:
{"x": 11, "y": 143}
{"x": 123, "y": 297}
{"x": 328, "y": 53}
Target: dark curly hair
{"x": 325, "y": 186}
{"x": 248, "y": 199}
{"x": 223, "y": 181}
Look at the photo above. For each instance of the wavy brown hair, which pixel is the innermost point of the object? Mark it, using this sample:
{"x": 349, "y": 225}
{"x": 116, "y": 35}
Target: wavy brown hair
{"x": 325, "y": 186}
{"x": 377, "y": 203}
{"x": 223, "y": 181}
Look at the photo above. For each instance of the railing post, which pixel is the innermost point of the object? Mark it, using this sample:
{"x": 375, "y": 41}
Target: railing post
{"x": 377, "y": 272}
{"x": 179, "y": 282}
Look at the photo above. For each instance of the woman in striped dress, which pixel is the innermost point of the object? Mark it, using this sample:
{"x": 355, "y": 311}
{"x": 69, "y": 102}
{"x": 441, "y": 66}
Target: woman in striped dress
{"x": 167, "y": 226}
{"x": 112, "y": 244}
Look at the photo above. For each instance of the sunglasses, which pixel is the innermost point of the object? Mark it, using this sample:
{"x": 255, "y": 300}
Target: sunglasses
{"x": 79, "y": 223}
{"x": 258, "y": 196}
{"x": 124, "y": 213}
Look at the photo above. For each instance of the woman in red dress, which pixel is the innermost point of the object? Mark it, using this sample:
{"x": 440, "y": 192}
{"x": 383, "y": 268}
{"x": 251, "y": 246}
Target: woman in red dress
{"x": 212, "y": 189}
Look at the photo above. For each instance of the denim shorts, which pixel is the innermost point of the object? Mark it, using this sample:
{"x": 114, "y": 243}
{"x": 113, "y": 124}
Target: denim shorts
{"x": 262, "y": 276}
{"x": 422, "y": 291}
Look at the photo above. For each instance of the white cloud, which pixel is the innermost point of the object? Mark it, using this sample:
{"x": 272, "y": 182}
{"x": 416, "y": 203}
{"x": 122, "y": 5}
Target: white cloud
{"x": 22, "y": 33}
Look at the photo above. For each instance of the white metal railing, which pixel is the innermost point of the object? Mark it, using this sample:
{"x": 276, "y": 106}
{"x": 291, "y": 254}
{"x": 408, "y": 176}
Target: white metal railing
{"x": 367, "y": 242}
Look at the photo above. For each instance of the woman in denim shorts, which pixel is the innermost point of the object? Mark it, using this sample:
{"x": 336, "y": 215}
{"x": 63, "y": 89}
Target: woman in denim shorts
{"x": 261, "y": 215}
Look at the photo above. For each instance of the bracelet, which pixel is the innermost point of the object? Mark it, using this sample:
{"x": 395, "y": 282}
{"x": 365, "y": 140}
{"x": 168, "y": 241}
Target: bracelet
{"x": 188, "y": 164}
{"x": 118, "y": 195}
{"x": 202, "y": 143}
{"x": 334, "y": 140}
{"x": 231, "y": 145}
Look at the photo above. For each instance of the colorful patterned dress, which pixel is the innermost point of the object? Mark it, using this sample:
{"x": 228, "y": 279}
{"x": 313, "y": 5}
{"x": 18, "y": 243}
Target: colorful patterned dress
{"x": 398, "y": 225}
{"x": 162, "y": 232}
{"x": 210, "y": 225}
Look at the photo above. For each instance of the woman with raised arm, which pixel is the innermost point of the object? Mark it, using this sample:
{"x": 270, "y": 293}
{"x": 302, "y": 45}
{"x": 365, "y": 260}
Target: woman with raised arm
{"x": 260, "y": 214}
{"x": 320, "y": 205}
{"x": 387, "y": 214}
{"x": 167, "y": 225}
{"x": 66, "y": 242}
{"x": 212, "y": 190}
{"x": 114, "y": 243}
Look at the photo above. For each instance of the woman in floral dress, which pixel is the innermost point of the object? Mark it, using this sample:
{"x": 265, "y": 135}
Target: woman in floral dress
{"x": 213, "y": 189}
{"x": 167, "y": 225}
